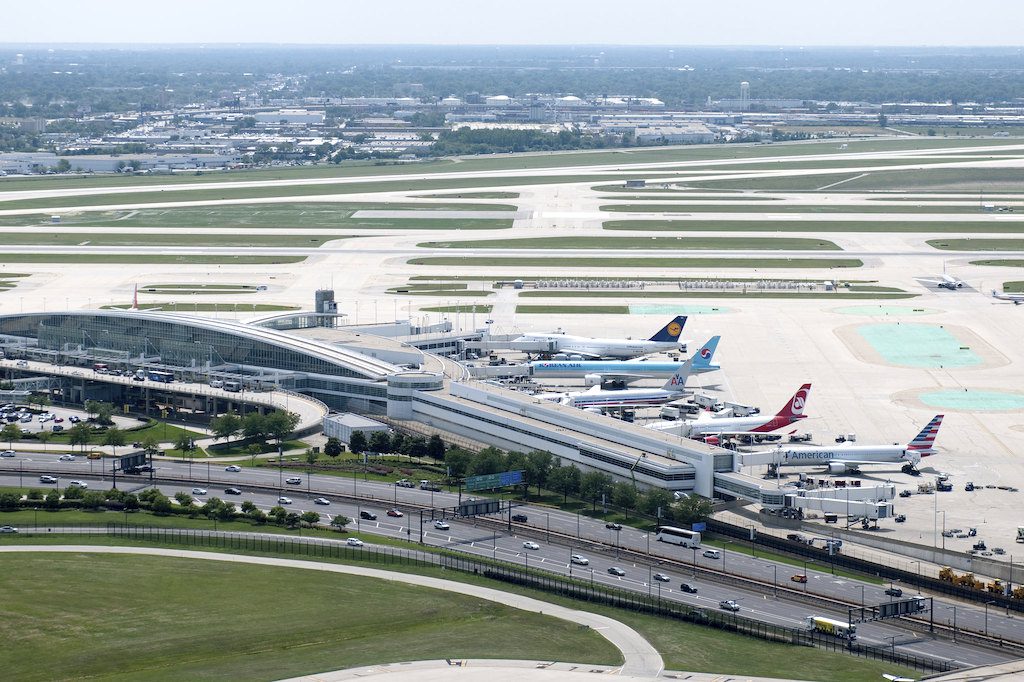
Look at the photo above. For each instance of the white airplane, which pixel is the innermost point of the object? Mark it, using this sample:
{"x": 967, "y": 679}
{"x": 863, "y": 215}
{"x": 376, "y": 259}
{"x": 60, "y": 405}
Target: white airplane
{"x": 945, "y": 281}
{"x": 596, "y": 399}
{"x": 1016, "y": 299}
{"x": 606, "y": 370}
{"x": 843, "y": 458}
{"x": 585, "y": 347}
{"x": 710, "y": 429}
{"x": 897, "y": 678}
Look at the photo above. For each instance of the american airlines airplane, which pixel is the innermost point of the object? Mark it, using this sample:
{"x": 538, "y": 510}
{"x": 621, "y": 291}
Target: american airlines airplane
{"x": 846, "y": 457}
{"x": 710, "y": 428}
{"x": 628, "y": 369}
{"x": 597, "y": 398}
{"x": 667, "y": 338}
{"x": 1016, "y": 299}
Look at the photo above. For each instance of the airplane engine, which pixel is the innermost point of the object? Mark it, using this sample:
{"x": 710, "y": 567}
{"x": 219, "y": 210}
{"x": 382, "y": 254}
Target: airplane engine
{"x": 593, "y": 410}
{"x": 712, "y": 440}
{"x": 836, "y": 468}
{"x": 592, "y": 380}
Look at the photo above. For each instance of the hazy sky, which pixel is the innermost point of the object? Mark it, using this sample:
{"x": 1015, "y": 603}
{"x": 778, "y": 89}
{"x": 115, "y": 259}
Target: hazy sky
{"x": 658, "y": 22}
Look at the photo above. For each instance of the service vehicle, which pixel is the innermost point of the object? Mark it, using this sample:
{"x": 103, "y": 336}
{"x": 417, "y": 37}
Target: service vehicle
{"x": 831, "y": 626}
{"x": 405, "y": 483}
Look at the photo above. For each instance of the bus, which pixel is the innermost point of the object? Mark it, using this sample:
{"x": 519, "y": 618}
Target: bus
{"x": 233, "y": 386}
{"x": 100, "y": 367}
{"x": 678, "y": 536}
{"x": 163, "y": 377}
{"x": 832, "y": 627}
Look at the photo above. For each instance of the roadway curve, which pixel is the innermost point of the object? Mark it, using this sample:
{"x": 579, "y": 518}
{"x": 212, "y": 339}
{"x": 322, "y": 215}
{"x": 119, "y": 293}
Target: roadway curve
{"x": 641, "y": 658}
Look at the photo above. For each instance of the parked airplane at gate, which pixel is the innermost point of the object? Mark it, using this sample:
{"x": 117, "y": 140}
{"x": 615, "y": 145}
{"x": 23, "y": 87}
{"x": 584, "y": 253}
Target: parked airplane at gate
{"x": 710, "y": 428}
{"x": 597, "y": 398}
{"x": 1016, "y": 299}
{"x": 842, "y": 458}
{"x": 667, "y": 338}
{"x": 629, "y": 369}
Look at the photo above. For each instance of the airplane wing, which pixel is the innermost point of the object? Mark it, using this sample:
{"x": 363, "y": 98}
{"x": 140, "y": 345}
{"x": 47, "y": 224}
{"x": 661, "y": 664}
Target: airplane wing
{"x": 624, "y": 378}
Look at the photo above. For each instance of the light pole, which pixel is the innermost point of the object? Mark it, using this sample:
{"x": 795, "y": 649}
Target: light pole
{"x": 943, "y": 512}
{"x": 548, "y": 515}
{"x": 694, "y": 548}
{"x": 775, "y": 580}
{"x": 617, "y": 531}
{"x": 986, "y": 615}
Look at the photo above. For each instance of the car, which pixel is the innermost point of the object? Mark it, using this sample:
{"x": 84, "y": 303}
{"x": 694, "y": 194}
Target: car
{"x": 198, "y": 491}
{"x": 441, "y": 525}
{"x": 8, "y": 529}
{"x": 798, "y": 578}
{"x": 294, "y": 480}
{"x": 615, "y": 570}
{"x": 22, "y": 363}
{"x": 8, "y": 453}
{"x": 284, "y": 500}
{"x": 894, "y": 592}
{"x": 321, "y": 500}
{"x": 405, "y": 483}
{"x": 580, "y": 559}
{"x": 369, "y": 516}
{"x": 56, "y": 428}
{"x": 530, "y": 545}
{"x": 728, "y": 605}
{"x": 795, "y": 537}
{"x": 59, "y": 420}
{"x": 233, "y": 468}
{"x": 232, "y": 491}
{"x": 77, "y": 484}
{"x": 395, "y": 512}
{"x": 711, "y": 554}
{"x": 354, "y": 542}
{"x": 26, "y": 419}
{"x": 519, "y": 518}
{"x": 47, "y": 479}
{"x": 688, "y": 588}
{"x": 67, "y": 458}
{"x": 613, "y": 526}
{"x": 900, "y": 518}
{"x": 74, "y": 419}
{"x": 662, "y": 578}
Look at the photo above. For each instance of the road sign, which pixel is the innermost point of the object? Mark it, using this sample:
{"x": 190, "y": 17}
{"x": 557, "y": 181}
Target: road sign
{"x": 698, "y": 527}
{"x": 490, "y": 481}
{"x": 474, "y": 507}
{"x": 130, "y": 462}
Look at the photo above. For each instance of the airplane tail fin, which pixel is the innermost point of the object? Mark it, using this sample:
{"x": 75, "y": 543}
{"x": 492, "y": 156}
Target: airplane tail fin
{"x": 794, "y": 409}
{"x": 923, "y": 443}
{"x": 671, "y": 331}
{"x": 702, "y": 358}
{"x": 677, "y": 382}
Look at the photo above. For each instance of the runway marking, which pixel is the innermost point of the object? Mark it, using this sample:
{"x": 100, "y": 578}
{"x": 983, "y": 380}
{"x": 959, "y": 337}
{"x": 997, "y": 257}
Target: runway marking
{"x": 856, "y": 177}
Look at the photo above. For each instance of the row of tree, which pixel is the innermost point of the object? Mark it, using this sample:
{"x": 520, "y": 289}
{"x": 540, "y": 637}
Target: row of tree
{"x": 255, "y": 426}
{"x": 384, "y": 442}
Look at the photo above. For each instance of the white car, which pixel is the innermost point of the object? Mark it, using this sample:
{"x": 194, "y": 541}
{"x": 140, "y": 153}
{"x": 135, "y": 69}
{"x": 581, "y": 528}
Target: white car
{"x": 580, "y": 559}
{"x": 234, "y": 468}
{"x": 354, "y": 542}
{"x": 47, "y": 479}
{"x": 530, "y": 545}
{"x": 441, "y": 525}
{"x": 284, "y": 500}
{"x": 77, "y": 484}
{"x": 67, "y": 458}
{"x": 295, "y": 480}
{"x": 198, "y": 491}
{"x": 8, "y": 529}
{"x": 8, "y": 453}
{"x": 321, "y": 500}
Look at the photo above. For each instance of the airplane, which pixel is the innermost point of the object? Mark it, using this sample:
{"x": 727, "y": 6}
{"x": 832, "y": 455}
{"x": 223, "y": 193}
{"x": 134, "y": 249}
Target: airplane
{"x": 945, "y": 281}
{"x": 710, "y": 428}
{"x": 1016, "y": 299}
{"x": 843, "y": 458}
{"x": 597, "y": 399}
{"x": 897, "y": 678}
{"x": 625, "y": 370}
{"x": 667, "y": 338}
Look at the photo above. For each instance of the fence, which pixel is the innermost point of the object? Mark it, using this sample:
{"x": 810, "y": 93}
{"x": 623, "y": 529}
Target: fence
{"x": 574, "y": 587}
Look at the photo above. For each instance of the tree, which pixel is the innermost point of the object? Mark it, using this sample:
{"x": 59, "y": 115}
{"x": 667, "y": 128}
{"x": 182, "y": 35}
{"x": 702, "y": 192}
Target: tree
{"x": 279, "y": 514}
{"x": 254, "y": 426}
{"x": 883, "y": 120}
{"x": 435, "y": 447}
{"x": 310, "y": 457}
{"x": 161, "y": 506}
{"x": 333, "y": 447}
{"x": 38, "y": 399}
{"x": 131, "y": 502}
{"x": 44, "y": 436}
{"x": 104, "y": 412}
{"x": 52, "y": 500}
{"x": 339, "y": 522}
{"x": 93, "y": 500}
{"x": 595, "y": 485}
{"x": 417, "y": 446}
{"x": 537, "y": 467}
{"x": 114, "y": 437}
{"x": 253, "y": 449}
{"x": 292, "y": 520}
{"x": 458, "y": 461}
{"x": 357, "y": 442}
{"x": 63, "y": 166}
{"x": 565, "y": 480}
{"x": 226, "y": 425}
{"x": 693, "y": 508}
{"x": 151, "y": 444}
{"x": 185, "y": 443}
{"x": 310, "y": 518}
{"x": 10, "y": 433}
{"x": 488, "y": 461}
{"x": 80, "y": 434}
{"x": 281, "y": 424}
{"x": 9, "y": 501}
{"x": 226, "y": 511}
{"x": 655, "y": 499}
{"x": 624, "y": 496}
{"x": 34, "y": 494}
{"x": 184, "y": 499}
{"x": 380, "y": 441}
{"x": 249, "y": 507}
{"x": 397, "y": 442}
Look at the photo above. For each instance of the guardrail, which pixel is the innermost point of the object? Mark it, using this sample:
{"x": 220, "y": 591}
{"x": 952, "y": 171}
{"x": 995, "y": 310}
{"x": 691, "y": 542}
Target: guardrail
{"x": 502, "y": 571}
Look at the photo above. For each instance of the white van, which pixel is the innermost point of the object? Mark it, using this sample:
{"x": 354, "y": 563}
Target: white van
{"x": 712, "y": 554}
{"x": 216, "y": 383}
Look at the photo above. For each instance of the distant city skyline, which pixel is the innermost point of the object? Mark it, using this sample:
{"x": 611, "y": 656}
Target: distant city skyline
{"x": 525, "y": 22}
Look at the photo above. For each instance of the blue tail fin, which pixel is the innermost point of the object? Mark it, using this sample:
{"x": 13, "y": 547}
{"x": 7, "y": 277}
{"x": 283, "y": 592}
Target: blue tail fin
{"x": 671, "y": 331}
{"x": 702, "y": 358}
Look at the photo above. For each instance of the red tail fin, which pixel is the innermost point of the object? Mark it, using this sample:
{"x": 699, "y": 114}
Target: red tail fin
{"x": 795, "y": 407}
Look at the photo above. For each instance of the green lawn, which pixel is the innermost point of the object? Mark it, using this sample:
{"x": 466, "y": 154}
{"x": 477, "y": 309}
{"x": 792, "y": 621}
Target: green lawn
{"x": 816, "y": 226}
{"x": 471, "y": 195}
{"x": 597, "y": 262}
{"x": 977, "y": 244}
{"x": 473, "y": 308}
{"x": 166, "y": 239}
{"x": 141, "y": 259}
{"x": 164, "y": 431}
{"x": 786, "y": 208}
{"x": 1001, "y": 263}
{"x": 156, "y": 618}
{"x": 573, "y": 309}
{"x": 865, "y": 292}
{"x": 1014, "y": 287}
{"x": 629, "y": 243}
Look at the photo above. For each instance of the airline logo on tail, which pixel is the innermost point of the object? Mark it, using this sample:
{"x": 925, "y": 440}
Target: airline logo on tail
{"x": 702, "y": 358}
{"x": 924, "y": 441}
{"x": 795, "y": 408}
{"x": 678, "y": 380}
{"x": 671, "y": 331}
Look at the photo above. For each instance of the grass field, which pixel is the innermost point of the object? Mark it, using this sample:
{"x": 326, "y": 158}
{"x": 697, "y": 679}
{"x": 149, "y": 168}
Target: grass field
{"x": 1014, "y": 287}
{"x": 472, "y": 195}
{"x": 977, "y": 244}
{"x": 597, "y": 262}
{"x": 887, "y": 226}
{"x": 186, "y": 307}
{"x": 1001, "y": 263}
{"x": 573, "y": 309}
{"x": 163, "y": 618}
{"x": 474, "y": 308}
{"x": 672, "y": 280}
{"x": 755, "y": 293}
{"x": 139, "y": 259}
{"x": 164, "y": 239}
{"x": 926, "y": 180}
{"x": 628, "y": 243}
{"x": 906, "y": 207}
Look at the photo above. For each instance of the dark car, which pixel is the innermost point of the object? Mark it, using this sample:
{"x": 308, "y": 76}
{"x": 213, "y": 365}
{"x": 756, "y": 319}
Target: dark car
{"x": 232, "y": 491}
{"x": 369, "y": 516}
{"x": 519, "y": 518}
{"x": 894, "y": 592}
{"x": 905, "y": 493}
{"x": 615, "y": 570}
{"x": 688, "y": 588}
{"x": 613, "y": 526}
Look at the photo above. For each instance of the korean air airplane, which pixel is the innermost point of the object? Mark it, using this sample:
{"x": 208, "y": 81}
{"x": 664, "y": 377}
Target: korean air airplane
{"x": 609, "y": 370}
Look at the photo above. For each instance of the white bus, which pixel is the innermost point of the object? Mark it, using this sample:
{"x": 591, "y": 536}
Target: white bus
{"x": 678, "y": 536}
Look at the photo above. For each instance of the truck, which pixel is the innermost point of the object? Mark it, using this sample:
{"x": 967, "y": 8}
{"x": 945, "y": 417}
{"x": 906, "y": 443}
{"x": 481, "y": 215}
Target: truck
{"x": 427, "y": 485}
{"x": 833, "y": 627}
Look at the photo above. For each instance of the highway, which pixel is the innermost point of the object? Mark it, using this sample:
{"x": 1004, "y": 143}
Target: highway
{"x": 778, "y": 600}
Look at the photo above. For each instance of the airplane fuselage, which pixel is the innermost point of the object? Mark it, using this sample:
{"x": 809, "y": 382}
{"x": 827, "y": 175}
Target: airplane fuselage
{"x": 725, "y": 425}
{"x": 794, "y": 456}
{"x": 604, "y": 348}
{"x": 561, "y": 369}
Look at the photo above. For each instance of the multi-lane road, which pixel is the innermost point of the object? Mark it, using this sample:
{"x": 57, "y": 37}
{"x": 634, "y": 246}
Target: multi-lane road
{"x": 773, "y": 598}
